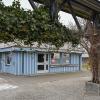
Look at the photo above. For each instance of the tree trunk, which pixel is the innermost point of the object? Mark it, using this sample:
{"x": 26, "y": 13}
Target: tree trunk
{"x": 95, "y": 58}
{"x": 98, "y": 48}
{"x": 94, "y": 65}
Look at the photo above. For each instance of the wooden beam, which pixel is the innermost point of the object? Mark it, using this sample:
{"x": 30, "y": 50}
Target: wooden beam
{"x": 74, "y": 16}
{"x": 92, "y": 4}
{"x": 86, "y": 7}
{"x": 32, "y": 4}
{"x": 53, "y": 9}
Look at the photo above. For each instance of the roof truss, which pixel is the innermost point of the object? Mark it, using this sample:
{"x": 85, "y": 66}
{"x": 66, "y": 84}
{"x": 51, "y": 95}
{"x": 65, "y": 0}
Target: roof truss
{"x": 81, "y": 8}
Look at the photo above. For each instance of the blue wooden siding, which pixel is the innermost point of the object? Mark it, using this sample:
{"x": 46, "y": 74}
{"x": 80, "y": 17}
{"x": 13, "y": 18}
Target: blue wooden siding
{"x": 25, "y": 63}
{"x": 17, "y": 63}
{"x": 29, "y": 65}
{"x": 56, "y": 69}
{"x": 75, "y": 59}
{"x": 35, "y": 63}
{"x": 8, "y": 68}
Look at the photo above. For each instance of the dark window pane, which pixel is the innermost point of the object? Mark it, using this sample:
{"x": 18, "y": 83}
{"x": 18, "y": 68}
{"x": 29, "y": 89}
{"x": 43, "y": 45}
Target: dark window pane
{"x": 40, "y": 57}
{"x": 8, "y": 58}
{"x": 46, "y": 57}
{"x": 40, "y": 67}
{"x": 46, "y": 67}
{"x": 52, "y": 55}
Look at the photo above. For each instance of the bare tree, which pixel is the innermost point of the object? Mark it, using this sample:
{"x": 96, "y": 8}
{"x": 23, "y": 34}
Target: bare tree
{"x": 90, "y": 41}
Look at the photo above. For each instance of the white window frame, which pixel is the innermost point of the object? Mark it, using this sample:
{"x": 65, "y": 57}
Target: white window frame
{"x": 44, "y": 63}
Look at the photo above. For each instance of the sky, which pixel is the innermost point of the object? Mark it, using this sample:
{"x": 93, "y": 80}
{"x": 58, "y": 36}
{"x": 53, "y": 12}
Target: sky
{"x": 65, "y": 18}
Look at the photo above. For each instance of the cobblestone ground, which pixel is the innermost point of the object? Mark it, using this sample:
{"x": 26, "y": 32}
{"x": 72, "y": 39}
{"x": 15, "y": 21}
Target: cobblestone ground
{"x": 70, "y": 86}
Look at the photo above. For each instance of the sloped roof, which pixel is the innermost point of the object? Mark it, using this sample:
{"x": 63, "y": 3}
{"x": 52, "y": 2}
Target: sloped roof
{"x": 67, "y": 48}
{"x": 82, "y": 8}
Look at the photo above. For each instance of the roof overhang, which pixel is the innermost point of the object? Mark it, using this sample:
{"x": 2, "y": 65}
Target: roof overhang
{"x": 82, "y": 8}
{"x": 37, "y": 49}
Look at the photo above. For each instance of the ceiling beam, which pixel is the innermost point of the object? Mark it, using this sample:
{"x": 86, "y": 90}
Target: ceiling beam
{"x": 74, "y": 15}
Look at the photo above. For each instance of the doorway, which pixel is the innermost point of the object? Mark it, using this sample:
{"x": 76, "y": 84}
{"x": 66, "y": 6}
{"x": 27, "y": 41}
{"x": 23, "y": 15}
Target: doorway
{"x": 42, "y": 63}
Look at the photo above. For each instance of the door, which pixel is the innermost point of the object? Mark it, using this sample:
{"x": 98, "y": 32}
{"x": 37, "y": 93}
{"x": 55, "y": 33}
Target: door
{"x": 42, "y": 63}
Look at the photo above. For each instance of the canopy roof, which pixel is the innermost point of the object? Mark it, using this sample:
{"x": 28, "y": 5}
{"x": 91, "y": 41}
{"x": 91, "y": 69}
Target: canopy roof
{"x": 82, "y": 8}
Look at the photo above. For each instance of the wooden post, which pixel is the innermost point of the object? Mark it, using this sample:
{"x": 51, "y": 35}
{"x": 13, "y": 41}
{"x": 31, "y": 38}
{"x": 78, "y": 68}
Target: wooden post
{"x": 98, "y": 51}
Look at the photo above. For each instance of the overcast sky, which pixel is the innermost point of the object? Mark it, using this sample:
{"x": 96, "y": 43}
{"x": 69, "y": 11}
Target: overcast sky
{"x": 64, "y": 17}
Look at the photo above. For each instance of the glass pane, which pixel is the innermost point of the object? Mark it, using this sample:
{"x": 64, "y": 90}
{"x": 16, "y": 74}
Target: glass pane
{"x": 46, "y": 57}
{"x": 55, "y": 58}
{"x": 40, "y": 67}
{"x": 66, "y": 58}
{"x": 46, "y": 67}
{"x": 8, "y": 60}
{"x": 40, "y": 57}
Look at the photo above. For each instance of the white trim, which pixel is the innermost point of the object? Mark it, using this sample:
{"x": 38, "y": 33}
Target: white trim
{"x": 43, "y": 63}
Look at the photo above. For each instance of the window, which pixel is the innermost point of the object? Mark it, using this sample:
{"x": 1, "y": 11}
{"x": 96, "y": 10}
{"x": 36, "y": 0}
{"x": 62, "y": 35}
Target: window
{"x": 46, "y": 57}
{"x": 8, "y": 59}
{"x": 40, "y": 58}
{"x": 55, "y": 58}
{"x": 40, "y": 67}
{"x": 60, "y": 58}
{"x": 66, "y": 58}
{"x": 46, "y": 67}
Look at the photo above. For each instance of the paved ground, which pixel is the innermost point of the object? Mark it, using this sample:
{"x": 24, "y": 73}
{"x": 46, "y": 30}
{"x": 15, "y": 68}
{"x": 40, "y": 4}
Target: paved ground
{"x": 68, "y": 86}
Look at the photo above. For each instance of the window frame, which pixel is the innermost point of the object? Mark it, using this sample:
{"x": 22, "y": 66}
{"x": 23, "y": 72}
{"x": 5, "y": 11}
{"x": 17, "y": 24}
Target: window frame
{"x": 55, "y": 57}
{"x": 66, "y": 56}
{"x": 8, "y": 56}
{"x": 60, "y": 60}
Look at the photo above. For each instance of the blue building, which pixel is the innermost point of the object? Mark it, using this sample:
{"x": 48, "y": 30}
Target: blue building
{"x": 33, "y": 61}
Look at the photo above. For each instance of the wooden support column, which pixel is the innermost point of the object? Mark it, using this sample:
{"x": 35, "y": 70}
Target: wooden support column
{"x": 95, "y": 50}
{"x": 74, "y": 16}
{"x": 53, "y": 10}
{"x": 98, "y": 52}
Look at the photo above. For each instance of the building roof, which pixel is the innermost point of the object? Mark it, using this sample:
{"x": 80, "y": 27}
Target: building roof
{"x": 67, "y": 48}
{"x": 33, "y": 49}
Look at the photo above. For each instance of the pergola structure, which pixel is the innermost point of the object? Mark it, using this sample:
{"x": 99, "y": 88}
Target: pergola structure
{"x": 88, "y": 9}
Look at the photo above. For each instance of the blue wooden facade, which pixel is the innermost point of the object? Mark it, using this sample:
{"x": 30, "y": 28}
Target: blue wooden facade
{"x": 25, "y": 61}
